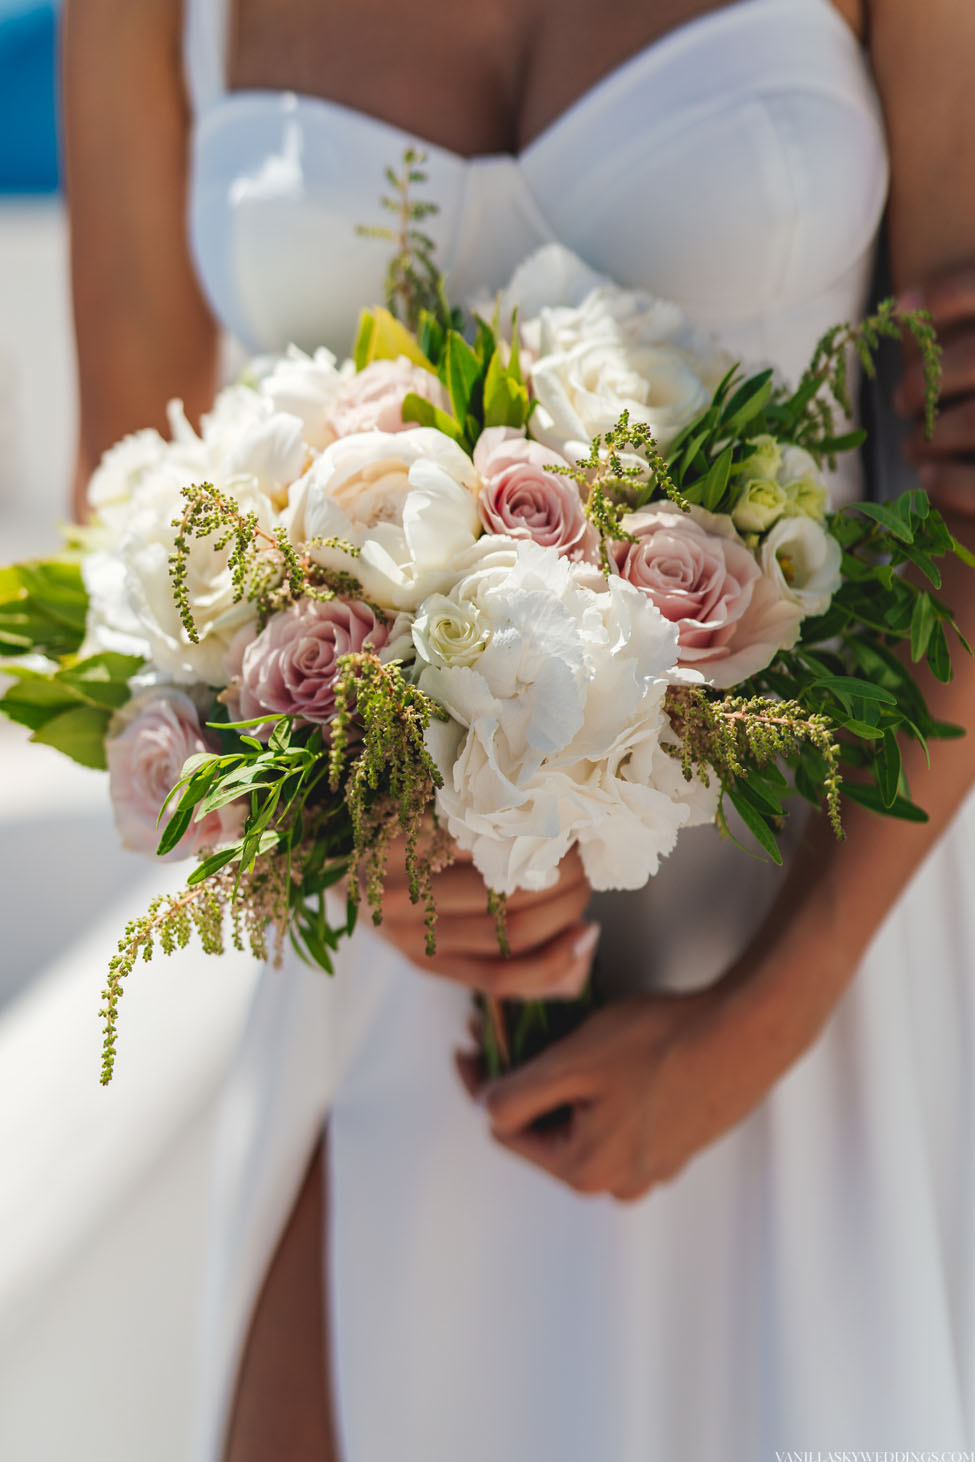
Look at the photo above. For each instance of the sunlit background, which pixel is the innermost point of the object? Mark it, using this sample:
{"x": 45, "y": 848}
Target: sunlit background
{"x": 102, "y": 1192}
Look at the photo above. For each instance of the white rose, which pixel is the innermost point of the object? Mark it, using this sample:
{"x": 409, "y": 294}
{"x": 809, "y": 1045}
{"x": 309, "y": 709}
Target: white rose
{"x": 619, "y": 351}
{"x": 802, "y": 562}
{"x": 407, "y": 500}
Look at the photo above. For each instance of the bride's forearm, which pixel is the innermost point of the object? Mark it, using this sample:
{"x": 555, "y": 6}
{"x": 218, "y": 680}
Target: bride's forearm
{"x": 838, "y": 893}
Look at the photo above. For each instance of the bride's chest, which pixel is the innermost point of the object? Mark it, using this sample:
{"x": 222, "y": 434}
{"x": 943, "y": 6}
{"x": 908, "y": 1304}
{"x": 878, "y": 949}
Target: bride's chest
{"x": 737, "y": 166}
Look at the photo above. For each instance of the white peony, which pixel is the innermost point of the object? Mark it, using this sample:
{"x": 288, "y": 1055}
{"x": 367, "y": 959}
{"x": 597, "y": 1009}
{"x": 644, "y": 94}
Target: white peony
{"x": 802, "y": 562}
{"x": 556, "y": 691}
{"x": 407, "y": 500}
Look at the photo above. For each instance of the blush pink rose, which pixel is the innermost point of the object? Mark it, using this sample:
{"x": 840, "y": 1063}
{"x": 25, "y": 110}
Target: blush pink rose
{"x": 289, "y": 669}
{"x": 522, "y": 498}
{"x": 700, "y": 575}
{"x": 145, "y": 761}
{"x": 372, "y": 400}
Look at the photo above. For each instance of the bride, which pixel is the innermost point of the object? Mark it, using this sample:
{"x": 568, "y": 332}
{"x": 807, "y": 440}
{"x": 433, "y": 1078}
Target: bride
{"x": 755, "y": 1234}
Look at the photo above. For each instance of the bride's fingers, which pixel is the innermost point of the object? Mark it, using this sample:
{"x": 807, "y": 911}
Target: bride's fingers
{"x": 460, "y": 890}
{"x": 552, "y": 1080}
{"x": 558, "y": 970}
{"x": 527, "y": 928}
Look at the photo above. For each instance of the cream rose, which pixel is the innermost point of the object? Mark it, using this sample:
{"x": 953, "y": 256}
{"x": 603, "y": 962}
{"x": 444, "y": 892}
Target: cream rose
{"x": 372, "y": 400}
{"x": 522, "y": 497}
{"x": 157, "y": 732}
{"x": 702, "y": 578}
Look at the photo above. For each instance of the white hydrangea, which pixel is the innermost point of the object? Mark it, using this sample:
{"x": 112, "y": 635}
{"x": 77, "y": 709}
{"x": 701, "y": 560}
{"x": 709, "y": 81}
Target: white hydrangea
{"x": 556, "y": 692}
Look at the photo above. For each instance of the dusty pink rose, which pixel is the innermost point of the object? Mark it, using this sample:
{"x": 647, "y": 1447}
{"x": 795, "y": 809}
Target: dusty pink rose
{"x": 145, "y": 761}
{"x": 373, "y": 399}
{"x": 289, "y": 668}
{"x": 522, "y": 498}
{"x": 702, "y": 577}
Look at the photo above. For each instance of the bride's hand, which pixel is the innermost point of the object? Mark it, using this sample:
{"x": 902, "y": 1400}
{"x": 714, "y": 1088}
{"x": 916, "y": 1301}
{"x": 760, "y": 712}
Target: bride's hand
{"x": 649, "y": 1081}
{"x": 551, "y": 947}
{"x": 946, "y": 463}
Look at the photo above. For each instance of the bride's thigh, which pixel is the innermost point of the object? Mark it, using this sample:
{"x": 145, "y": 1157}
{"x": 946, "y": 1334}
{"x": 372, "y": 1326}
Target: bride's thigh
{"x": 282, "y": 1406}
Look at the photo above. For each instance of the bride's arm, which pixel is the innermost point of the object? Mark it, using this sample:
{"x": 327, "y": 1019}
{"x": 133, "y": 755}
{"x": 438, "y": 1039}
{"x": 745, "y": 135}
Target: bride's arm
{"x": 143, "y": 333}
{"x": 655, "y": 1079}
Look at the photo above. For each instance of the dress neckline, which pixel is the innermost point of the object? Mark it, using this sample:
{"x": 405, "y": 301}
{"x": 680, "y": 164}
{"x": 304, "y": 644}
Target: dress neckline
{"x": 654, "y": 51}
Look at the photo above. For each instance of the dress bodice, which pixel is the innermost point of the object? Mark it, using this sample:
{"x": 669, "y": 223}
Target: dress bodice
{"x": 737, "y": 166}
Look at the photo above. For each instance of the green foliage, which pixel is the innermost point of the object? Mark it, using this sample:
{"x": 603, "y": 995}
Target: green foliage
{"x": 390, "y": 783}
{"x": 611, "y": 487}
{"x": 741, "y": 739}
{"x": 707, "y": 458}
{"x": 414, "y": 283}
{"x": 266, "y": 567}
{"x": 71, "y": 708}
{"x": 43, "y": 607}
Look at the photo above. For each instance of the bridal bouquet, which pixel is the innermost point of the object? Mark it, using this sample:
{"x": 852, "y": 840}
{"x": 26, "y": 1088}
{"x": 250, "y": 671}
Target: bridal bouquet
{"x": 558, "y": 573}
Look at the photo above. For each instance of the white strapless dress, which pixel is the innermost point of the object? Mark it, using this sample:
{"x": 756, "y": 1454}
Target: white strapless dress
{"x": 807, "y": 1282}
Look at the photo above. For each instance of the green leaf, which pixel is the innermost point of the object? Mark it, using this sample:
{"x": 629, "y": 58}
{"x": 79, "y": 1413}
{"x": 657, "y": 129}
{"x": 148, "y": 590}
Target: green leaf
{"x": 34, "y": 698}
{"x": 713, "y": 486}
{"x": 43, "y": 608}
{"x": 870, "y": 797}
{"x": 463, "y": 371}
{"x": 746, "y": 403}
{"x": 363, "y": 335}
{"x": 847, "y": 686}
{"x": 505, "y": 398}
{"x": 213, "y": 864}
{"x": 79, "y": 733}
{"x": 938, "y": 657}
{"x": 754, "y": 821}
{"x": 424, "y": 413}
{"x": 923, "y": 561}
{"x": 888, "y": 768}
{"x": 382, "y": 337}
{"x": 103, "y": 680}
{"x": 923, "y": 621}
{"x": 888, "y": 518}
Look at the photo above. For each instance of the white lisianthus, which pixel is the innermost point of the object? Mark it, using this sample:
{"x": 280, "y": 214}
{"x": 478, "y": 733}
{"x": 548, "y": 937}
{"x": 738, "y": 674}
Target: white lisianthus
{"x": 618, "y": 350}
{"x": 407, "y": 500}
{"x": 763, "y": 502}
{"x": 557, "y": 700}
{"x": 802, "y": 561}
{"x": 804, "y": 484}
{"x": 778, "y": 481}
